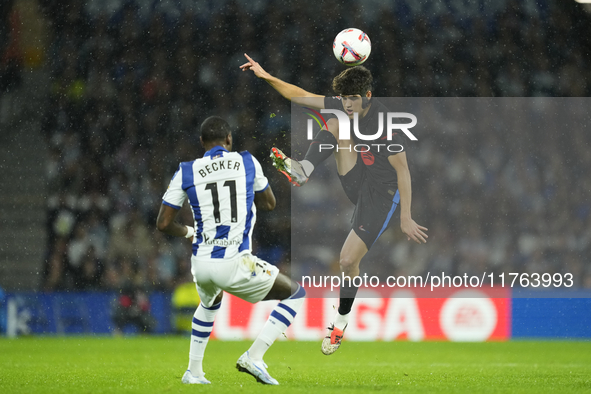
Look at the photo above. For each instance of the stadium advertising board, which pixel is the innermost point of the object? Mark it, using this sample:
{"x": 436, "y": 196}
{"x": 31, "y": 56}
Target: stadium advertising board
{"x": 448, "y": 316}
{"x": 399, "y": 315}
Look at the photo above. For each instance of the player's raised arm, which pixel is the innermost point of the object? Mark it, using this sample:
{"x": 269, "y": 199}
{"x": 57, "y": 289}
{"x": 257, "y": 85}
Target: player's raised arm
{"x": 287, "y": 90}
{"x": 407, "y": 224}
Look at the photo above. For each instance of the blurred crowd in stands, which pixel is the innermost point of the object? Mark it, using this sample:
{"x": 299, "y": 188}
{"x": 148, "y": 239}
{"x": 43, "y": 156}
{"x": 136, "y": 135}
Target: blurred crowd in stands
{"x": 10, "y": 58}
{"x": 130, "y": 85}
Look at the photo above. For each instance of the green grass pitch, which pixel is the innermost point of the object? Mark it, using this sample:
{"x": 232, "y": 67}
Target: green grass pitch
{"x": 156, "y": 364}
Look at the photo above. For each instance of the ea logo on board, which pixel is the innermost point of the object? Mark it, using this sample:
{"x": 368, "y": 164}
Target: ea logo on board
{"x": 468, "y": 317}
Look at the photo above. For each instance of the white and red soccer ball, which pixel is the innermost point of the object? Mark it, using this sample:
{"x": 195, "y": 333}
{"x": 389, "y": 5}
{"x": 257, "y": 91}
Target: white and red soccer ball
{"x": 351, "y": 47}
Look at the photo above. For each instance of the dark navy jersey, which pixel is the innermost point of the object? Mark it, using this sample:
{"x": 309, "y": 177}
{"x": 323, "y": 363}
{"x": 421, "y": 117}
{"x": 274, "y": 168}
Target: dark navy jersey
{"x": 379, "y": 173}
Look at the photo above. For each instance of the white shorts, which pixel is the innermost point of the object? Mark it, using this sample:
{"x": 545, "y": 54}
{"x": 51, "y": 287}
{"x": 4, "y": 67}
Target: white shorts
{"x": 245, "y": 276}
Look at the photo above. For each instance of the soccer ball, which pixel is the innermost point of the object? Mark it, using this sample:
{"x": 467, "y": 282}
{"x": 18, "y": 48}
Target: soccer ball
{"x": 351, "y": 47}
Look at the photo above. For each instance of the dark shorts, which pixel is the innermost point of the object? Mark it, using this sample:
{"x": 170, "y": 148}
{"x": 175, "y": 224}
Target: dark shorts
{"x": 373, "y": 210}
{"x": 373, "y": 214}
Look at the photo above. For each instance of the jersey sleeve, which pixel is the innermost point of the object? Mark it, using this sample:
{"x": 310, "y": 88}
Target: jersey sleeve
{"x": 175, "y": 196}
{"x": 260, "y": 180}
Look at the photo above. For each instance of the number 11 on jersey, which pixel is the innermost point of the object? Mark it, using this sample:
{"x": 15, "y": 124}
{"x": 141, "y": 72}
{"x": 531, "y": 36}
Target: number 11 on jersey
{"x": 213, "y": 188}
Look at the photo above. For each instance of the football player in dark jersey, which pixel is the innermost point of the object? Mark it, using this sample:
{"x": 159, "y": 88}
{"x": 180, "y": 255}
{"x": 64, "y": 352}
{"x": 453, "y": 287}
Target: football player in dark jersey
{"x": 375, "y": 181}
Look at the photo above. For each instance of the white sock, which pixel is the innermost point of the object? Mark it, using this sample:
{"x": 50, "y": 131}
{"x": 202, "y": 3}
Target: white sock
{"x": 281, "y": 318}
{"x": 341, "y": 321}
{"x": 307, "y": 166}
{"x": 201, "y": 330}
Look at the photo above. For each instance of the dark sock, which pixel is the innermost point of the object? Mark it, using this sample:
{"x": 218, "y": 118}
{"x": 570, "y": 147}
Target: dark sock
{"x": 315, "y": 155}
{"x": 347, "y": 297}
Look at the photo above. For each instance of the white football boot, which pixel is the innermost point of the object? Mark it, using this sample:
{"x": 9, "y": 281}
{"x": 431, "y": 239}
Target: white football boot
{"x": 258, "y": 369}
{"x": 332, "y": 340}
{"x": 188, "y": 378}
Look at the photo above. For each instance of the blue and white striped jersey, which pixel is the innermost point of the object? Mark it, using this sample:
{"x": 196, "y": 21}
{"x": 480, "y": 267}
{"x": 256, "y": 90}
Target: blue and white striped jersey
{"x": 220, "y": 187}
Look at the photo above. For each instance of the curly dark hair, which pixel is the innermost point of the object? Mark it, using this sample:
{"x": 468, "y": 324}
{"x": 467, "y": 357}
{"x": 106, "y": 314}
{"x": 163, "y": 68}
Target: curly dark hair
{"x": 354, "y": 80}
{"x": 214, "y": 129}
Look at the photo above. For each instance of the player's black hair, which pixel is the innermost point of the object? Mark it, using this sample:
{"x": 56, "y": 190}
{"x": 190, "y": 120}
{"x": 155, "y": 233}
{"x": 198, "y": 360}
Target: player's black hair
{"x": 354, "y": 80}
{"x": 214, "y": 129}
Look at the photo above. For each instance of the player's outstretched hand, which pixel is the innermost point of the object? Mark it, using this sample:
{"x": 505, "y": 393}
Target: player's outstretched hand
{"x": 254, "y": 67}
{"x": 414, "y": 231}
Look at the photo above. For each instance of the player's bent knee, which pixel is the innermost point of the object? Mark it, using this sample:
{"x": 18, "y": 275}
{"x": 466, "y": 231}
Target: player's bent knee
{"x": 282, "y": 288}
{"x": 348, "y": 263}
{"x": 219, "y": 297}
